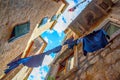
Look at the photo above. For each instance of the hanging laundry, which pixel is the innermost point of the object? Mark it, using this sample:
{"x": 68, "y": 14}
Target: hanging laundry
{"x": 94, "y": 41}
{"x": 32, "y": 61}
{"x": 79, "y": 40}
{"x": 72, "y": 9}
{"x": 68, "y": 41}
{"x": 63, "y": 19}
{"x": 19, "y": 30}
{"x": 11, "y": 68}
{"x": 55, "y": 17}
{"x": 72, "y": 44}
{"x": 43, "y": 21}
{"x": 56, "y": 49}
{"x": 58, "y": 15}
{"x": 75, "y": 1}
{"x": 15, "y": 64}
{"x": 37, "y": 60}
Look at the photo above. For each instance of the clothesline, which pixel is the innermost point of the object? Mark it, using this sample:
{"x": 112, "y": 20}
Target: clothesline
{"x": 92, "y": 42}
{"x": 36, "y": 60}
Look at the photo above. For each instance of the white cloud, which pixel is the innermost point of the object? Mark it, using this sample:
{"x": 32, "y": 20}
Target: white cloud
{"x": 47, "y": 60}
{"x": 50, "y": 31}
{"x": 60, "y": 34}
{"x": 40, "y": 72}
{"x": 60, "y": 41}
{"x": 36, "y": 73}
{"x": 46, "y": 39}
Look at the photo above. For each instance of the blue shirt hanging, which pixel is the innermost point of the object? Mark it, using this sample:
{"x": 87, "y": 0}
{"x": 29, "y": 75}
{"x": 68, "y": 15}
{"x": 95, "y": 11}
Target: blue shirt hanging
{"x": 68, "y": 41}
{"x": 32, "y": 61}
{"x": 94, "y": 41}
{"x": 72, "y": 44}
{"x": 53, "y": 18}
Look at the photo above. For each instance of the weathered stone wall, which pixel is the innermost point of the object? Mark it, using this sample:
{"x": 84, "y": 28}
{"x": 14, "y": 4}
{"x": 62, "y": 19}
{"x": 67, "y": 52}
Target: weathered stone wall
{"x": 100, "y": 65}
{"x": 103, "y": 64}
{"x": 10, "y": 75}
{"x": 13, "y": 12}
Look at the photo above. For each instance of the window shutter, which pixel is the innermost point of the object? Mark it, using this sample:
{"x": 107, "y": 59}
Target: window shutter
{"x": 19, "y": 30}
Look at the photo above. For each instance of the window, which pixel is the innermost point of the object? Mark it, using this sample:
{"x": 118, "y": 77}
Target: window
{"x": 111, "y": 28}
{"x": 104, "y": 5}
{"x": 43, "y": 21}
{"x": 35, "y": 46}
{"x": 19, "y": 30}
{"x": 65, "y": 66}
{"x": 70, "y": 63}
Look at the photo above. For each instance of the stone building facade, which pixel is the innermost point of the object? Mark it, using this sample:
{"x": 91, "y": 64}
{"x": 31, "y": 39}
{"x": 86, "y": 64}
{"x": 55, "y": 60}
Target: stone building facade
{"x": 16, "y": 12}
{"x": 103, "y": 64}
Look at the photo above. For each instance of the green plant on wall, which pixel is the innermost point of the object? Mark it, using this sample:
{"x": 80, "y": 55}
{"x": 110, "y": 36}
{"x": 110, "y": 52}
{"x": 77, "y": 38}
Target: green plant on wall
{"x": 51, "y": 78}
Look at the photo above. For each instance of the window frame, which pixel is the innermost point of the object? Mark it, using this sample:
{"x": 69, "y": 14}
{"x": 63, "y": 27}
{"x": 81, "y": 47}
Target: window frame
{"x": 115, "y": 33}
{"x": 104, "y": 5}
{"x": 75, "y": 66}
{"x": 30, "y": 52}
{"x": 36, "y": 49}
{"x": 66, "y": 61}
{"x": 112, "y": 21}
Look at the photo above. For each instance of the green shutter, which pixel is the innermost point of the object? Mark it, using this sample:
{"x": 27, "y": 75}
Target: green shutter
{"x": 19, "y": 31}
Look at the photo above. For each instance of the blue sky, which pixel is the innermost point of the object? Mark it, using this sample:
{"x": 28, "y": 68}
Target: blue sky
{"x": 54, "y": 38}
